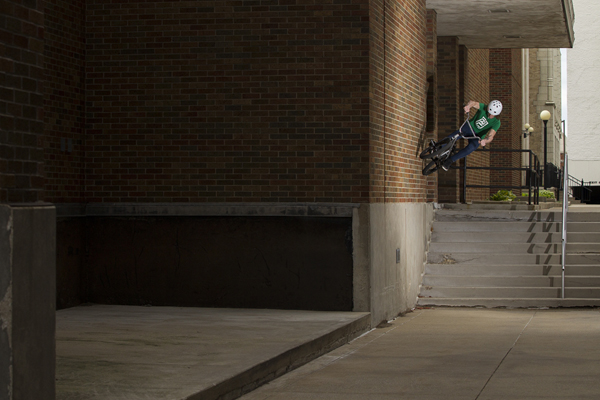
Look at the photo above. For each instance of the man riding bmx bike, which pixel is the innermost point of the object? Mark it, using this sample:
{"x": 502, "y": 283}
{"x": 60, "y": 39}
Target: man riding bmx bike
{"x": 483, "y": 125}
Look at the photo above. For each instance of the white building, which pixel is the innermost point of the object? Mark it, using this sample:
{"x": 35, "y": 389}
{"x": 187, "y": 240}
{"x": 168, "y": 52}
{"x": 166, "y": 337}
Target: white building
{"x": 583, "y": 94}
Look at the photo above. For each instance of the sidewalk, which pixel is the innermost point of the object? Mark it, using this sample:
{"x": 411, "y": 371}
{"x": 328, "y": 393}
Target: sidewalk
{"x": 458, "y": 354}
{"x": 108, "y": 352}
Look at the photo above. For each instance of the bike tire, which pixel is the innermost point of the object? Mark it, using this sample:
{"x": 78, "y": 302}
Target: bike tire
{"x": 439, "y": 148}
{"x": 431, "y": 168}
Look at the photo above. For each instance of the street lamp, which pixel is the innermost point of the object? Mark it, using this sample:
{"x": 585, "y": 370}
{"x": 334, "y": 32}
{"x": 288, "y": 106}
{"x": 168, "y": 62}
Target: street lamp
{"x": 527, "y": 131}
{"x": 545, "y": 116}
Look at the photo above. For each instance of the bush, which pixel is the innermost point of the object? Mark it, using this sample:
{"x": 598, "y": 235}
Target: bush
{"x": 503, "y": 195}
{"x": 544, "y": 193}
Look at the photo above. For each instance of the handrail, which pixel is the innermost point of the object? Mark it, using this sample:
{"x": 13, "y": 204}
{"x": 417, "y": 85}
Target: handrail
{"x": 565, "y": 209}
{"x": 585, "y": 193}
{"x": 533, "y": 170}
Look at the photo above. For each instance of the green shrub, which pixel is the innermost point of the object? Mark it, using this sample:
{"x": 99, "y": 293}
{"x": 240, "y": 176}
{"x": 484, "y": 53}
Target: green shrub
{"x": 544, "y": 193}
{"x": 503, "y": 195}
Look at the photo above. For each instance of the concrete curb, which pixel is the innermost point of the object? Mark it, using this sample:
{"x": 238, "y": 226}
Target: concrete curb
{"x": 266, "y": 371}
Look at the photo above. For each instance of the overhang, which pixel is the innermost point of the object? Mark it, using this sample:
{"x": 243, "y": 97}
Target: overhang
{"x": 506, "y": 23}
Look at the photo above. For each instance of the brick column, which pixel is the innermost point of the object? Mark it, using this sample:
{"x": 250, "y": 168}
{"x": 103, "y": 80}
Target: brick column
{"x": 448, "y": 102}
{"x": 27, "y": 236}
{"x": 506, "y": 86}
{"x": 431, "y": 126}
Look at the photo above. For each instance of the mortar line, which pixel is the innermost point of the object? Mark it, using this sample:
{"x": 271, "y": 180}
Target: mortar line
{"x": 506, "y": 355}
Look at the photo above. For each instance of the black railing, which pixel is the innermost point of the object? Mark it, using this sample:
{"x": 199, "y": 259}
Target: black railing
{"x": 552, "y": 176}
{"x": 578, "y": 189}
{"x": 532, "y": 182}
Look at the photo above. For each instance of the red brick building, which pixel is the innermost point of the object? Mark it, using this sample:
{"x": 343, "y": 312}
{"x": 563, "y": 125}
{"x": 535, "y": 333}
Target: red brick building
{"x": 245, "y": 153}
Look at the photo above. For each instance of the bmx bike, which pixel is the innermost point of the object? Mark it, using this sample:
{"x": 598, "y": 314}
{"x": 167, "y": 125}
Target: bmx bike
{"x": 440, "y": 151}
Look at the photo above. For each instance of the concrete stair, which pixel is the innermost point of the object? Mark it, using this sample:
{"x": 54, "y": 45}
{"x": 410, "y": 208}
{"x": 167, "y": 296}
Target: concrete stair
{"x": 493, "y": 257}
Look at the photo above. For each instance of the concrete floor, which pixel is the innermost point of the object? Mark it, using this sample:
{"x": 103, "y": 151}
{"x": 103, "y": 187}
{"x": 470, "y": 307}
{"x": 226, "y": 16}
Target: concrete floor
{"x": 162, "y": 353}
{"x": 117, "y": 352}
{"x": 168, "y": 353}
{"x": 458, "y": 354}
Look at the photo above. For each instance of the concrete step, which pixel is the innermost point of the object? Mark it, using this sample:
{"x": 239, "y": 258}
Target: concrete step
{"x": 508, "y": 302}
{"x": 511, "y": 257}
{"x": 508, "y": 292}
{"x": 498, "y": 216}
{"x": 501, "y": 206}
{"x": 503, "y": 259}
{"x": 516, "y": 215}
{"x": 513, "y": 248}
{"x": 510, "y": 270}
{"x": 486, "y": 226}
{"x": 515, "y": 237}
{"x": 516, "y": 281}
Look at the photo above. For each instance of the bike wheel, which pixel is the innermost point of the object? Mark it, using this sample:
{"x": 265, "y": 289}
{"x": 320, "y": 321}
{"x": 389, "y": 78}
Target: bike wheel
{"x": 437, "y": 149}
{"x": 431, "y": 168}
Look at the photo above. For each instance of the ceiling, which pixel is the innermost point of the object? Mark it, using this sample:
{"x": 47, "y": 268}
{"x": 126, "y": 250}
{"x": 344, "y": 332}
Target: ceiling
{"x": 506, "y": 23}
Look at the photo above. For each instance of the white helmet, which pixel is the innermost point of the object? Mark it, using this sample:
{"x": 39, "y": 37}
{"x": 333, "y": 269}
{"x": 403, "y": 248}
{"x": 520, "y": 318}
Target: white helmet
{"x": 495, "y": 107}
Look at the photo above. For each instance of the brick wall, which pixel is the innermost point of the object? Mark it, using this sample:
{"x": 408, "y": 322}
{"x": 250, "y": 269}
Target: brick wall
{"x": 399, "y": 94}
{"x": 21, "y": 101}
{"x": 506, "y": 86}
{"x": 64, "y": 100}
{"x": 227, "y": 101}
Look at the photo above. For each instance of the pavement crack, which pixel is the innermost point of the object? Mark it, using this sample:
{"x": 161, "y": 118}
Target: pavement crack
{"x": 506, "y": 355}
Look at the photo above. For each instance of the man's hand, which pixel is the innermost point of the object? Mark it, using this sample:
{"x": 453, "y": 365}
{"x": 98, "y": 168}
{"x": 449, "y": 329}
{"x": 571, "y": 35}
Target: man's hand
{"x": 483, "y": 142}
{"x": 471, "y": 104}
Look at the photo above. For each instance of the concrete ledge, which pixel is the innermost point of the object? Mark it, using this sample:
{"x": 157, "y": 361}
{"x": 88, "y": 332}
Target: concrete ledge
{"x": 27, "y": 300}
{"x": 542, "y": 303}
{"x": 154, "y": 353}
{"x": 285, "y": 362}
{"x": 207, "y": 209}
{"x": 500, "y": 205}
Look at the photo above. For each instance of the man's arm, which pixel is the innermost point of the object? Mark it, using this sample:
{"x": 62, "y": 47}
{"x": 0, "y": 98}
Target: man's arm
{"x": 488, "y": 138}
{"x": 471, "y": 104}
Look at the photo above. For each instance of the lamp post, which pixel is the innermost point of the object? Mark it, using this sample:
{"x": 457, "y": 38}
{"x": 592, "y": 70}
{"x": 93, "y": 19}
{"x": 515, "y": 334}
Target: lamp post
{"x": 545, "y": 116}
{"x": 527, "y": 131}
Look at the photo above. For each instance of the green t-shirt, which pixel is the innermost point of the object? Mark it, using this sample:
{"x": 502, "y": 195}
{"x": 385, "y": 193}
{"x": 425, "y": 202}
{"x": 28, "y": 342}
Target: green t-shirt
{"x": 481, "y": 124}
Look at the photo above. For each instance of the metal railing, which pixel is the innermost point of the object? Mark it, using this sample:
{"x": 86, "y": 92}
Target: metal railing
{"x": 577, "y": 188}
{"x": 565, "y": 209}
{"x": 552, "y": 176}
{"x": 533, "y": 175}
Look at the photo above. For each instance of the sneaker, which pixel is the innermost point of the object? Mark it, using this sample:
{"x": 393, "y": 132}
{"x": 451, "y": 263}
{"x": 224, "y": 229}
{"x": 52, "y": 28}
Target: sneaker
{"x": 446, "y": 165}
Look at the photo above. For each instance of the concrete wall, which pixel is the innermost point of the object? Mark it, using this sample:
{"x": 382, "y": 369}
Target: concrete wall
{"x": 393, "y": 284}
{"x": 27, "y": 305}
{"x": 236, "y": 262}
{"x": 5, "y": 302}
{"x": 207, "y": 255}
{"x": 327, "y": 257}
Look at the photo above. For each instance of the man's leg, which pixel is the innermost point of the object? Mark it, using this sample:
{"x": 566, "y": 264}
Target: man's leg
{"x": 455, "y": 133}
{"x": 471, "y": 147}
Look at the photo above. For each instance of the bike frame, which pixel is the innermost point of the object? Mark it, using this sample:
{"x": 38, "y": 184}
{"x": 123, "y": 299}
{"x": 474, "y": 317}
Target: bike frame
{"x": 442, "y": 157}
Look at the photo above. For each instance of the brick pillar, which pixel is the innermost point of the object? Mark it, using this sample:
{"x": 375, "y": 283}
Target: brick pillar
{"x": 27, "y": 236}
{"x": 448, "y": 71}
{"x": 21, "y": 103}
{"x": 506, "y": 86}
{"x": 477, "y": 88}
{"x": 431, "y": 126}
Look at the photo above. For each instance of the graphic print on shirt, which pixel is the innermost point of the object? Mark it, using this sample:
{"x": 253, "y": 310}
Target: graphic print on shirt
{"x": 481, "y": 123}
